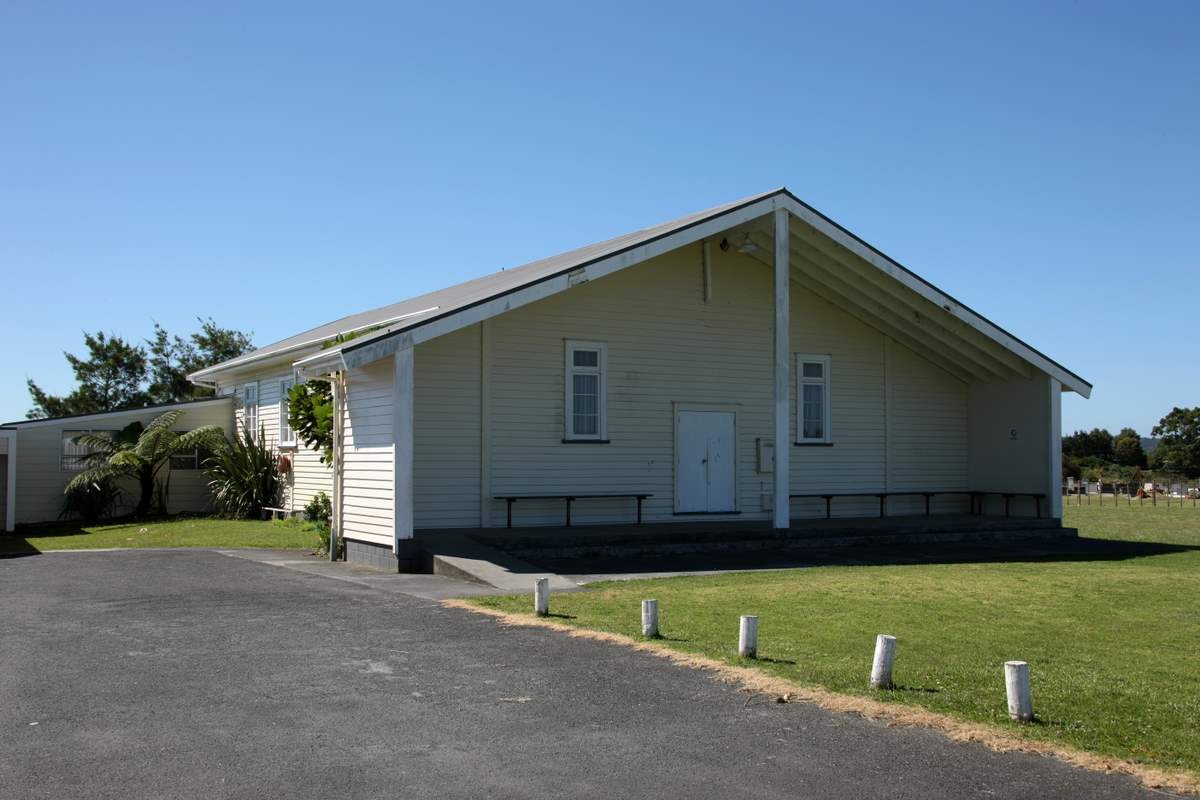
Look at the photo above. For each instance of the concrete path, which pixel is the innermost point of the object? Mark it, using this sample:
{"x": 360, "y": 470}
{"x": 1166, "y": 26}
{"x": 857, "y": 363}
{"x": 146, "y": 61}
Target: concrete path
{"x": 193, "y": 674}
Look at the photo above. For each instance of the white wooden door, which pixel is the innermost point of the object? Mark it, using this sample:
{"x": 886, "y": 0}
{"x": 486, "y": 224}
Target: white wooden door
{"x": 704, "y": 469}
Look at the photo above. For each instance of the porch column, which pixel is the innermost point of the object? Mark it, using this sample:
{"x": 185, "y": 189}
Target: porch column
{"x": 783, "y": 442}
{"x": 1054, "y": 451}
{"x": 402, "y": 445}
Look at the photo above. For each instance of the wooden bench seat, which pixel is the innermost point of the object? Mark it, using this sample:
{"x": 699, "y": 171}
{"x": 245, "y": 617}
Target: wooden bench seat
{"x": 928, "y": 495}
{"x": 572, "y": 497}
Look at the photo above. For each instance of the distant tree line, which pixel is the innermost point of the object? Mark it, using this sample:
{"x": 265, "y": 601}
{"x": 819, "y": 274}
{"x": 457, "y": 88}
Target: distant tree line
{"x": 117, "y": 374}
{"x": 1095, "y": 453}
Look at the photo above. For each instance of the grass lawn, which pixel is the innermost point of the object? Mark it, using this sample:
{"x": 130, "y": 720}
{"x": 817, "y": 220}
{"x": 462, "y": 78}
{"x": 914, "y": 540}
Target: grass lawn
{"x": 181, "y": 532}
{"x": 1113, "y": 644}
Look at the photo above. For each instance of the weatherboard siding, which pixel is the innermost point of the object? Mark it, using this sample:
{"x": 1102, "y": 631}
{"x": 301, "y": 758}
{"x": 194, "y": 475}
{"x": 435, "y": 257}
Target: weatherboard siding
{"x": 368, "y": 454}
{"x": 928, "y": 445}
{"x": 446, "y": 421}
{"x": 666, "y": 345}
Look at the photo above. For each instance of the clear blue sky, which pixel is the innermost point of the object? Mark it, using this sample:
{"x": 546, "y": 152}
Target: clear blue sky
{"x": 276, "y": 167}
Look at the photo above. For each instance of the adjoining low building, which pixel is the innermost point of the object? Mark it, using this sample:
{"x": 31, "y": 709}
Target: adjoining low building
{"x": 39, "y": 457}
{"x": 754, "y": 361}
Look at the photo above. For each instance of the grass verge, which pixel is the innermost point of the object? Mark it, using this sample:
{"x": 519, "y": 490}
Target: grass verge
{"x": 1111, "y": 642}
{"x": 177, "y": 532}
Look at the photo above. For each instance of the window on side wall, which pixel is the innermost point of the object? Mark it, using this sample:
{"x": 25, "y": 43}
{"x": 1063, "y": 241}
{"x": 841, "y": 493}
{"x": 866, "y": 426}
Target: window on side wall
{"x": 74, "y": 455}
{"x": 586, "y": 392}
{"x": 247, "y": 394}
{"x": 186, "y": 461}
{"x": 287, "y": 436}
{"x": 813, "y": 400}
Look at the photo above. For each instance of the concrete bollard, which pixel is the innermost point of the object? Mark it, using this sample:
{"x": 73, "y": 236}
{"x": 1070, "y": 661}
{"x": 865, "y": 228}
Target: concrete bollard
{"x": 748, "y": 637}
{"x": 1020, "y": 698}
{"x": 541, "y": 596}
{"x": 881, "y": 668}
{"x": 650, "y": 618}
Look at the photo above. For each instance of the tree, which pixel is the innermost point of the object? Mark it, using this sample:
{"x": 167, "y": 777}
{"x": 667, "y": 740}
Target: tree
{"x": 1127, "y": 449}
{"x": 1179, "y": 448}
{"x": 172, "y": 358}
{"x": 141, "y": 454}
{"x": 116, "y": 374}
{"x": 310, "y": 415}
{"x": 110, "y": 378}
{"x": 1096, "y": 443}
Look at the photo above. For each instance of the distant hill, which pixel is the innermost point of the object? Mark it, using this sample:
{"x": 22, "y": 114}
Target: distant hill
{"x": 1149, "y": 445}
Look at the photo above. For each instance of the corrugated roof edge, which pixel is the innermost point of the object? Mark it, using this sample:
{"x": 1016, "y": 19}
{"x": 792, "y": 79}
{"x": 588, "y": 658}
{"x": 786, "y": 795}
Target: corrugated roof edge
{"x": 24, "y": 423}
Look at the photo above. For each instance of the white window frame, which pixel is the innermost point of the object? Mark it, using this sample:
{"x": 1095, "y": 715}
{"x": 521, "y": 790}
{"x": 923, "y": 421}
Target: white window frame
{"x": 251, "y": 432}
{"x": 826, "y": 382}
{"x": 571, "y": 347}
{"x": 287, "y": 436}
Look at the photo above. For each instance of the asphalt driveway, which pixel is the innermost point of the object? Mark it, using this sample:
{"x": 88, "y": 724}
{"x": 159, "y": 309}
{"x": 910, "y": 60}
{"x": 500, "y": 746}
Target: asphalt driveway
{"x": 193, "y": 674}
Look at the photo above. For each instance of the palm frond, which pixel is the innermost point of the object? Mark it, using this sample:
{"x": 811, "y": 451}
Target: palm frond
{"x": 94, "y": 476}
{"x": 156, "y": 439}
{"x": 206, "y": 437}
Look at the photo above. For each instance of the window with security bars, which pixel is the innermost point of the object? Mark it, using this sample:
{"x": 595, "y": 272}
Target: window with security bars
{"x": 812, "y": 399}
{"x": 586, "y": 413}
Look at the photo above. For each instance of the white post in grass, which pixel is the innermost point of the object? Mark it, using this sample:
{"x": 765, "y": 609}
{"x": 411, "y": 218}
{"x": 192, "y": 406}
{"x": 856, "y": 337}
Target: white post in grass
{"x": 1020, "y": 698}
{"x": 885, "y": 654}
{"x": 748, "y": 637}
{"x": 650, "y": 618}
{"x": 541, "y": 596}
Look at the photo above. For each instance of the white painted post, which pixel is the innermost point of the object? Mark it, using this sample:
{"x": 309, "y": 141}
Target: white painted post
{"x": 650, "y": 618}
{"x": 783, "y": 444}
{"x": 748, "y": 637}
{"x": 881, "y": 668}
{"x": 1020, "y": 698}
{"x": 541, "y": 596}
{"x": 402, "y": 473}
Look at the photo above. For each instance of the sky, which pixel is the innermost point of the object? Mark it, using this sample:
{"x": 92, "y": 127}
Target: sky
{"x": 277, "y": 166}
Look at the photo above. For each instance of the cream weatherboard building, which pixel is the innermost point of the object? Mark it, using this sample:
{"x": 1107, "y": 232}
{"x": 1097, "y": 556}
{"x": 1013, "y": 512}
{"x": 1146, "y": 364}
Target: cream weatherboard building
{"x": 38, "y": 458}
{"x": 719, "y": 365}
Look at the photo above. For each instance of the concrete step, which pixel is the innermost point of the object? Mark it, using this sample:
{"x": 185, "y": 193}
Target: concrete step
{"x": 458, "y": 556}
{"x": 678, "y": 546}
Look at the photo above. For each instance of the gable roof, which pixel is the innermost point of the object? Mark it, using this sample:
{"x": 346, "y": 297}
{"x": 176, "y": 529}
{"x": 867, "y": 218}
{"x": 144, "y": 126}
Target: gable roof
{"x": 384, "y": 330}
